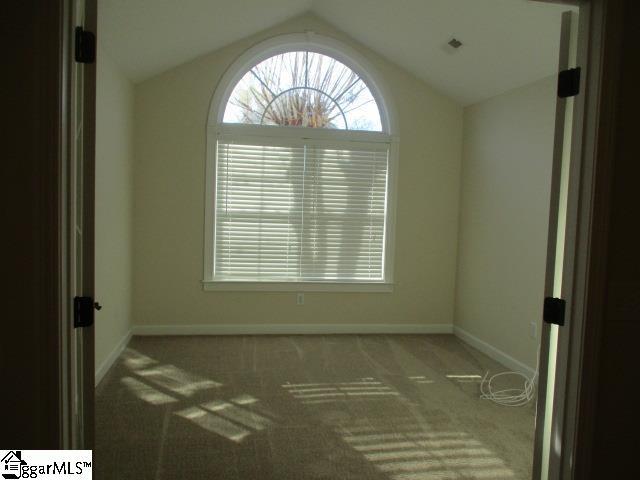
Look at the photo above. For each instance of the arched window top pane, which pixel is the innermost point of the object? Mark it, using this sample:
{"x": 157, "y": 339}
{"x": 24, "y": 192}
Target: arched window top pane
{"x": 304, "y": 89}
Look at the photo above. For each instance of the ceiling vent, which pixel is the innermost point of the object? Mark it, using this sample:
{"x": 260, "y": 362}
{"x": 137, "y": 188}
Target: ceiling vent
{"x": 455, "y": 43}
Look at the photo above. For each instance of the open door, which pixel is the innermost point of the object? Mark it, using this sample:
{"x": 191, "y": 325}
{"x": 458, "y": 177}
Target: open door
{"x": 78, "y": 369}
{"x": 550, "y": 439}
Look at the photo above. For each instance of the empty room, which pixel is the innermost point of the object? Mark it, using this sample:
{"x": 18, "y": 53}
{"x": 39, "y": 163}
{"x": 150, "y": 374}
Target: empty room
{"x": 326, "y": 235}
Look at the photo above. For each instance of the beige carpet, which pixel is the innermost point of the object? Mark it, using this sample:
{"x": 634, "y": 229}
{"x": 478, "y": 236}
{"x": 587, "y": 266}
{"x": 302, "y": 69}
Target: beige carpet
{"x": 375, "y": 407}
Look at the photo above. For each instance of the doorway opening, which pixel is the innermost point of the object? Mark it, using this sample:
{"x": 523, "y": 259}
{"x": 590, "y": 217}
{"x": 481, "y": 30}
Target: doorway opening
{"x": 255, "y": 399}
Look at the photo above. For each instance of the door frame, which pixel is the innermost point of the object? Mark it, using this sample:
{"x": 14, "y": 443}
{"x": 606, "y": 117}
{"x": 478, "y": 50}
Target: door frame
{"x": 578, "y": 382}
{"x": 604, "y": 59}
{"x": 589, "y": 152}
{"x": 559, "y": 272}
{"x": 77, "y": 372}
{"x": 571, "y": 338}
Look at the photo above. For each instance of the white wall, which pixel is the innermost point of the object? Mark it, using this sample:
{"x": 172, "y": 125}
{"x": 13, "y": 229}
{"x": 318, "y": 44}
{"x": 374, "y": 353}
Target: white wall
{"x": 113, "y": 215}
{"x": 171, "y": 113}
{"x": 504, "y": 213}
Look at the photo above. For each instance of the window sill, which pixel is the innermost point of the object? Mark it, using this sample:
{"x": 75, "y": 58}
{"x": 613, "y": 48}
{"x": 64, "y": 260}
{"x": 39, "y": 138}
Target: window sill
{"x": 373, "y": 287}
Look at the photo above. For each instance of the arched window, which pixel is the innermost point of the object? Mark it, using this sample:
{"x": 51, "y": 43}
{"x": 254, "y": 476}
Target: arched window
{"x": 303, "y": 89}
{"x": 299, "y": 172}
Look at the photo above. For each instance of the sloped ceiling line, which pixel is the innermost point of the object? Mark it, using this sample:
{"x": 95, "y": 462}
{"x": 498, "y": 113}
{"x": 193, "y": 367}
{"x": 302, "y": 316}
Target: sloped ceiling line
{"x": 507, "y": 43}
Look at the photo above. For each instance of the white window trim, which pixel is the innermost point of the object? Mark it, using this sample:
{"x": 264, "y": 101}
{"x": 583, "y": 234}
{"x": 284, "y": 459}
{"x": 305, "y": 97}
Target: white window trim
{"x": 312, "y": 42}
{"x": 235, "y": 286}
{"x": 216, "y": 128}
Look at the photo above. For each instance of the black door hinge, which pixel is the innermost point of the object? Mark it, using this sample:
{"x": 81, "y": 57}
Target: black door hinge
{"x": 83, "y": 311}
{"x": 553, "y": 311}
{"x": 569, "y": 83}
{"x": 85, "y": 46}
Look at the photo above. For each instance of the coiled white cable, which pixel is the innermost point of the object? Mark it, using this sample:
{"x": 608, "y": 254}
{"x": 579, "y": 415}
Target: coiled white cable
{"x": 509, "y": 397}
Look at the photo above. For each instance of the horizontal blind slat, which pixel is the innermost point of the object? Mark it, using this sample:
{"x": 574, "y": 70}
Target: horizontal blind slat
{"x": 300, "y": 213}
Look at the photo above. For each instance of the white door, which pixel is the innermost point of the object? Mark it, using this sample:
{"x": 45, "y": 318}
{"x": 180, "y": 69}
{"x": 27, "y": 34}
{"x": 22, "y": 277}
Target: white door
{"x": 80, "y": 103}
{"x": 550, "y": 438}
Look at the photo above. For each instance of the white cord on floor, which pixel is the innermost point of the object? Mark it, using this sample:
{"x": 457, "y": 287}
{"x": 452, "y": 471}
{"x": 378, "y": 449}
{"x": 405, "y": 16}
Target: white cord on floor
{"x": 510, "y": 397}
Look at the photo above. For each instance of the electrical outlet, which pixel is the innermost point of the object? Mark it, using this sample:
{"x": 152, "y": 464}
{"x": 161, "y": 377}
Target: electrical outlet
{"x": 533, "y": 333}
{"x": 300, "y": 299}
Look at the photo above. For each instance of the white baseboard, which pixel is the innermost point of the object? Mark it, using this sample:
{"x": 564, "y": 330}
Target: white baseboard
{"x": 313, "y": 329}
{"x": 108, "y": 362}
{"x": 492, "y": 352}
{"x": 287, "y": 329}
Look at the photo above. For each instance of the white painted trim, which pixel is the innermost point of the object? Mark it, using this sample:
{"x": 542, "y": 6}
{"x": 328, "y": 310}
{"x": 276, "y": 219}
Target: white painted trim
{"x": 108, "y": 362}
{"x": 300, "y": 135}
{"x": 494, "y": 353}
{"x": 215, "y": 127}
{"x": 237, "y": 286}
{"x": 210, "y": 197}
{"x": 210, "y": 204}
{"x": 314, "y": 43}
{"x": 292, "y": 329}
{"x": 389, "y": 254}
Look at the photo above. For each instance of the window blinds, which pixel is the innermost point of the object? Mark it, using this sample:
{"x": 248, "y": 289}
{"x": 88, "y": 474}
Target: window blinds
{"x": 300, "y": 212}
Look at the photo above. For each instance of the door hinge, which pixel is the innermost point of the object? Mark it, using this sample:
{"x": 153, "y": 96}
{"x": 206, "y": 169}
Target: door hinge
{"x": 83, "y": 312}
{"x": 569, "y": 83}
{"x": 85, "y": 46}
{"x": 553, "y": 311}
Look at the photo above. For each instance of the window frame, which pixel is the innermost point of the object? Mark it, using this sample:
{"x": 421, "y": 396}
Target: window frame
{"x": 216, "y": 128}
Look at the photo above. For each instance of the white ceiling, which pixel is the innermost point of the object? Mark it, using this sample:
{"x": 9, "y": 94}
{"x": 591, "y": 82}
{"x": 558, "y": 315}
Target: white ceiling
{"x": 506, "y": 43}
{"x": 146, "y": 37}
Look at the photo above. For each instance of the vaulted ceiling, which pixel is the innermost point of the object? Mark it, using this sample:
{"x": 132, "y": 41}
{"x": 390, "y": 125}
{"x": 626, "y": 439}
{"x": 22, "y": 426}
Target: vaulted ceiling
{"x": 506, "y": 43}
